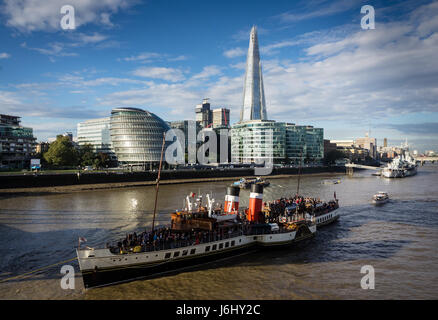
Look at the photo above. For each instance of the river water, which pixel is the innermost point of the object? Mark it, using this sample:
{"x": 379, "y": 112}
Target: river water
{"x": 399, "y": 240}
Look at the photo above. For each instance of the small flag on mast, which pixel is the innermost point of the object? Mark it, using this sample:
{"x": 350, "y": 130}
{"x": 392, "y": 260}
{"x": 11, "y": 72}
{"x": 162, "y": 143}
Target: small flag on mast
{"x": 82, "y": 239}
{"x": 192, "y": 194}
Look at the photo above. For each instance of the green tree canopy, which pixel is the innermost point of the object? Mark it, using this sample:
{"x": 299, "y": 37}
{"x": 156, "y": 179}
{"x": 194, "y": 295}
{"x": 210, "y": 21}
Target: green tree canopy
{"x": 87, "y": 155}
{"x": 61, "y": 152}
{"x": 333, "y": 155}
{"x": 102, "y": 160}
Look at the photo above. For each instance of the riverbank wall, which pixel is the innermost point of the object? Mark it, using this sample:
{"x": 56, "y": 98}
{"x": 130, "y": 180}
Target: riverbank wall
{"x": 71, "y": 179}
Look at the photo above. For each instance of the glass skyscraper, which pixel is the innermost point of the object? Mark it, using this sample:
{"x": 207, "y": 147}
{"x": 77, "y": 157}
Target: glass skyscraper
{"x": 255, "y": 138}
{"x": 254, "y": 105}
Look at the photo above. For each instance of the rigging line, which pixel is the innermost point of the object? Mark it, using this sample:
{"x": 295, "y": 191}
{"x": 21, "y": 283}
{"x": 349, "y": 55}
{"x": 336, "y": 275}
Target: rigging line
{"x": 28, "y": 274}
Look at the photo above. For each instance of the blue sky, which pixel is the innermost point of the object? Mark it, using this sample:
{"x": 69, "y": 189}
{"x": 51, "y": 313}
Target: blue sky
{"x": 319, "y": 66}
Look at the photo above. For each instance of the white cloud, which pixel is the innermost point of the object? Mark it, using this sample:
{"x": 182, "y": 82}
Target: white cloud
{"x": 55, "y": 49}
{"x": 315, "y": 9}
{"x": 207, "y": 72}
{"x": 4, "y": 55}
{"x": 144, "y": 57}
{"x": 90, "y": 38}
{"x": 235, "y": 52}
{"x": 169, "y": 74}
{"x": 31, "y": 15}
{"x": 178, "y": 58}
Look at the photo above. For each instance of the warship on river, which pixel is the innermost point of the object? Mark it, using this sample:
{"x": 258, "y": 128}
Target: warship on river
{"x": 201, "y": 233}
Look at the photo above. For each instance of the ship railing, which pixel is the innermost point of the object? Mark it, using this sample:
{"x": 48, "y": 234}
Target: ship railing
{"x": 174, "y": 244}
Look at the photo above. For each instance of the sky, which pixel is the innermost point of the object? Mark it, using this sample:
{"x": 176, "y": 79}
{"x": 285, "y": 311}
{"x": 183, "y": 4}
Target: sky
{"x": 319, "y": 66}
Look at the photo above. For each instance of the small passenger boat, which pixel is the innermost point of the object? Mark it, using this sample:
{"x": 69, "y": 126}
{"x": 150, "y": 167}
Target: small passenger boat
{"x": 380, "y": 198}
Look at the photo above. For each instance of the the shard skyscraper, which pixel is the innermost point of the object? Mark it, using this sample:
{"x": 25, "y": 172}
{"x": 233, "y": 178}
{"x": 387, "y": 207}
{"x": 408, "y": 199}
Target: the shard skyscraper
{"x": 254, "y": 105}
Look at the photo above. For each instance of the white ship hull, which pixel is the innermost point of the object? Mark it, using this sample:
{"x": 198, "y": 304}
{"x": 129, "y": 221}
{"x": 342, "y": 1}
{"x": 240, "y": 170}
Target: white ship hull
{"x": 327, "y": 218}
{"x": 399, "y": 173}
{"x": 377, "y": 202}
{"x": 102, "y": 267}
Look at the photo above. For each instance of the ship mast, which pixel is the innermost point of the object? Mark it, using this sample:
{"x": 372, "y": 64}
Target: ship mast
{"x": 299, "y": 172}
{"x": 158, "y": 180}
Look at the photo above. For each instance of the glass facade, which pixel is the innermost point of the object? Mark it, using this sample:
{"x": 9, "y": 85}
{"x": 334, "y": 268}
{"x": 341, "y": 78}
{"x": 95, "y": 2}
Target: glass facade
{"x": 96, "y": 132}
{"x": 136, "y": 135}
{"x": 314, "y": 144}
{"x": 254, "y": 104}
{"x": 258, "y": 140}
{"x": 251, "y": 142}
{"x": 17, "y": 143}
{"x": 295, "y": 143}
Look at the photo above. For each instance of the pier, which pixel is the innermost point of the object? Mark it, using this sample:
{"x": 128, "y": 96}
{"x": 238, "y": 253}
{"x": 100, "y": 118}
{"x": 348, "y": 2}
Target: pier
{"x": 349, "y": 168}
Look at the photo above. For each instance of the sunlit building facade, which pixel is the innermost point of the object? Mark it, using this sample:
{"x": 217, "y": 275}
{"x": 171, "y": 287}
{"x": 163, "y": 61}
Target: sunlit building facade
{"x": 257, "y": 141}
{"x": 96, "y": 132}
{"x": 136, "y": 136}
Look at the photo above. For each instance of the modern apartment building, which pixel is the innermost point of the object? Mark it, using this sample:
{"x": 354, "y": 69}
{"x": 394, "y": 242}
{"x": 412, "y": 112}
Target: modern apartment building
{"x": 17, "y": 143}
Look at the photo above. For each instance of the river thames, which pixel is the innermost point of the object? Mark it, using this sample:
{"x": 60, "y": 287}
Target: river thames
{"x": 399, "y": 239}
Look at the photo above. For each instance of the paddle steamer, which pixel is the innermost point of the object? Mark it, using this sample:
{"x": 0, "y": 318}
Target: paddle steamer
{"x": 197, "y": 234}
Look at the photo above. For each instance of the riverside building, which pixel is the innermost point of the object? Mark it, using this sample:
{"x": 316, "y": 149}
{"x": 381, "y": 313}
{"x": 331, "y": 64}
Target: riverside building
{"x": 255, "y": 139}
{"x": 96, "y": 132}
{"x": 17, "y": 143}
{"x": 137, "y": 137}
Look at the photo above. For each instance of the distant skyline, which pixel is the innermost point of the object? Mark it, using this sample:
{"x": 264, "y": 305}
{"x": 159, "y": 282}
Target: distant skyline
{"x": 319, "y": 67}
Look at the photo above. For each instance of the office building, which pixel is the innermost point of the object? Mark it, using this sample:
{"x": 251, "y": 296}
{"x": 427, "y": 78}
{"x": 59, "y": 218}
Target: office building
{"x": 328, "y": 147}
{"x": 42, "y": 147}
{"x": 257, "y": 141}
{"x": 368, "y": 143}
{"x": 204, "y": 116}
{"x": 221, "y": 118}
{"x": 17, "y": 143}
{"x": 96, "y": 132}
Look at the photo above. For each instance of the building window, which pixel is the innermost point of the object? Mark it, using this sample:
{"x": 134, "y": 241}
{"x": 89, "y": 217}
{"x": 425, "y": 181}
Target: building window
{"x": 167, "y": 256}
{"x": 207, "y": 248}
{"x": 214, "y": 247}
{"x": 184, "y": 253}
{"x": 227, "y": 244}
{"x": 233, "y": 243}
{"x": 176, "y": 254}
{"x": 192, "y": 251}
{"x": 221, "y": 245}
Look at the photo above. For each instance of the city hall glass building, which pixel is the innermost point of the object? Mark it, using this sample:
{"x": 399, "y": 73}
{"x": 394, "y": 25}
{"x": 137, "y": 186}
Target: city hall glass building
{"x": 137, "y": 136}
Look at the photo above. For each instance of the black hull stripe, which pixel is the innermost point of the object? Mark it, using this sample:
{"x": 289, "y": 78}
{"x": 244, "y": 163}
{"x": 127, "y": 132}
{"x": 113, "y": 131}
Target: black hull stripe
{"x": 161, "y": 262}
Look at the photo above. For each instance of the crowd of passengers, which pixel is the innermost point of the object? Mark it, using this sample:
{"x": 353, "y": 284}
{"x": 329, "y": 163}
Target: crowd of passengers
{"x": 303, "y": 205}
{"x": 165, "y": 238}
